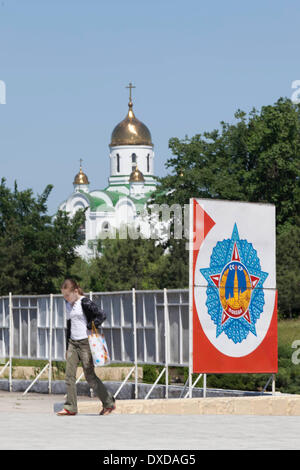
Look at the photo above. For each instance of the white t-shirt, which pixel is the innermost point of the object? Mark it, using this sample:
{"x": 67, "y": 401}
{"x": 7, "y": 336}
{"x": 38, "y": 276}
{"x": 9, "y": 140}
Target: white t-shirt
{"x": 78, "y": 320}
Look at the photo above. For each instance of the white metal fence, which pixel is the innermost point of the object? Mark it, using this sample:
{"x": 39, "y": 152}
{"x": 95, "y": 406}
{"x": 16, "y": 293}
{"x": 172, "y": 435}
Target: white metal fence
{"x": 142, "y": 327}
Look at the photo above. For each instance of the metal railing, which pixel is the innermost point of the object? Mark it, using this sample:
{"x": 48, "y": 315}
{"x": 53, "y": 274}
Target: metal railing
{"x": 142, "y": 327}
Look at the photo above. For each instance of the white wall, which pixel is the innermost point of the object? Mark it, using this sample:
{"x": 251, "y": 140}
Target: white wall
{"x": 126, "y": 164}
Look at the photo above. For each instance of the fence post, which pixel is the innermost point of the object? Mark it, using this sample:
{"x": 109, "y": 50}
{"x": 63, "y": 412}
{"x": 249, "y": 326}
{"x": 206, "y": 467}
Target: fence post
{"x": 91, "y": 390}
{"x": 11, "y": 333}
{"x": 166, "y": 315}
{"x": 135, "y": 344}
{"x": 50, "y": 344}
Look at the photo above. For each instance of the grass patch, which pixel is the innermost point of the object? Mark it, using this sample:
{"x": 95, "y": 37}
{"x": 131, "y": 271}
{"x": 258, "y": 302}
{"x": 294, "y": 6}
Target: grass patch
{"x": 288, "y": 331}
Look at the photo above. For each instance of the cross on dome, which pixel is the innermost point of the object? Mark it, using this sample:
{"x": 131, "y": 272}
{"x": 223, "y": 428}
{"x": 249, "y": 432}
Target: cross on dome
{"x": 130, "y": 86}
{"x": 131, "y": 131}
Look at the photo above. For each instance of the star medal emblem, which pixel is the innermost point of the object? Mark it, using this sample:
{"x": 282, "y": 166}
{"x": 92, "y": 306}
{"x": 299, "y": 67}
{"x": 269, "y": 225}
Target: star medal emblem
{"x": 235, "y": 297}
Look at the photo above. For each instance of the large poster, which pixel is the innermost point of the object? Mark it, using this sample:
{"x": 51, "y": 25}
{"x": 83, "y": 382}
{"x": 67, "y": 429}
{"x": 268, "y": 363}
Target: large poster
{"x": 233, "y": 286}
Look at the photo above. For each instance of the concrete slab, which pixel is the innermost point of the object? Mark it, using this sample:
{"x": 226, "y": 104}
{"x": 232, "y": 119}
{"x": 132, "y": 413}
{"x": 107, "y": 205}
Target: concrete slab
{"x": 284, "y": 405}
{"x": 30, "y": 423}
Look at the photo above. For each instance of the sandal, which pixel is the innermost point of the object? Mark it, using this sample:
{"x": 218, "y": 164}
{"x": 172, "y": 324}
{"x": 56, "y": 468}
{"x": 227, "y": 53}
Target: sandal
{"x": 107, "y": 411}
{"x": 65, "y": 412}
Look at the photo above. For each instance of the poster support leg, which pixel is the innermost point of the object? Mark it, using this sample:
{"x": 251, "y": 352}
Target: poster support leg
{"x": 11, "y": 338}
{"x": 273, "y": 385}
{"x": 204, "y": 385}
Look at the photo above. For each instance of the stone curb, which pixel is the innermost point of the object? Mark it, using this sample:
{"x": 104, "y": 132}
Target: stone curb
{"x": 264, "y": 406}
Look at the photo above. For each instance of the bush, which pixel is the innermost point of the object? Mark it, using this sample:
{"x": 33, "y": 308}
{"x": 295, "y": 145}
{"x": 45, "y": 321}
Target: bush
{"x": 151, "y": 373}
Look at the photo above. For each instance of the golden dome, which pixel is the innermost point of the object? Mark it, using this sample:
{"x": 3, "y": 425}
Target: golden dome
{"x": 136, "y": 176}
{"x": 81, "y": 178}
{"x": 130, "y": 131}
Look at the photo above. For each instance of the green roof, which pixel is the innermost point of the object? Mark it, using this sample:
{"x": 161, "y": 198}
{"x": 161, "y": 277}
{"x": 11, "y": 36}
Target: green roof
{"x": 96, "y": 203}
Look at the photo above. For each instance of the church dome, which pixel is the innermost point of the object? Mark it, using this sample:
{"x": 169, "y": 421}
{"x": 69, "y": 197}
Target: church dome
{"x": 81, "y": 178}
{"x": 136, "y": 176}
{"x": 130, "y": 131}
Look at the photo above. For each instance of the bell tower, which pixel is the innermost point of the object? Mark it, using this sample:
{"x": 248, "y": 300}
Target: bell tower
{"x": 131, "y": 146}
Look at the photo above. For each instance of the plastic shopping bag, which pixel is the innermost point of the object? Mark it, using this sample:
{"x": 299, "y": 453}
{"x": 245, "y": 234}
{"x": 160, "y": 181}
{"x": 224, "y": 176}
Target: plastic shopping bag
{"x": 98, "y": 348}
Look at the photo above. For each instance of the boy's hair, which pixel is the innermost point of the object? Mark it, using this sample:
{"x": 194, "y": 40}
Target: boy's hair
{"x": 72, "y": 285}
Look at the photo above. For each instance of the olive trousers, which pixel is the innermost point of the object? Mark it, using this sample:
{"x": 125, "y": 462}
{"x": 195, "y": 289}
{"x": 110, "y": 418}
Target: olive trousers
{"x": 79, "y": 351}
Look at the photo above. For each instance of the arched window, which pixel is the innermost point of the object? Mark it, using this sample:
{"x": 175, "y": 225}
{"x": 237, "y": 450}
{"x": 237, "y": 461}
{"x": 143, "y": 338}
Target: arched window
{"x": 148, "y": 162}
{"x": 105, "y": 226}
{"x": 133, "y": 158}
{"x": 118, "y": 163}
{"x": 81, "y": 232}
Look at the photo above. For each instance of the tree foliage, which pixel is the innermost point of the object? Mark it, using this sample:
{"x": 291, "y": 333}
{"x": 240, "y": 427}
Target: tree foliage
{"x": 288, "y": 269}
{"x": 126, "y": 263}
{"x": 34, "y": 249}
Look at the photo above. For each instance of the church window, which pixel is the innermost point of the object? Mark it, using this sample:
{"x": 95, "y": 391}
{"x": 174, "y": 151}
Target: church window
{"x": 105, "y": 226}
{"x": 133, "y": 158}
{"x": 118, "y": 163}
{"x": 81, "y": 232}
{"x": 148, "y": 163}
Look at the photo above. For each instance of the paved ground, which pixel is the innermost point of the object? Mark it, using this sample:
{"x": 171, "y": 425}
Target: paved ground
{"x": 30, "y": 423}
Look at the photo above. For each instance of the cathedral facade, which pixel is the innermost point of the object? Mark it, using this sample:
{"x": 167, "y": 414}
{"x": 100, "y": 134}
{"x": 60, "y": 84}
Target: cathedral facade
{"x": 130, "y": 185}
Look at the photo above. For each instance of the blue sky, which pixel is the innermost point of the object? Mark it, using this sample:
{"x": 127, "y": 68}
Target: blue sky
{"x": 66, "y": 64}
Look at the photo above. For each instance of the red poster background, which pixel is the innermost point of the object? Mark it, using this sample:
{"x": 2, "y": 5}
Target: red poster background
{"x": 207, "y": 358}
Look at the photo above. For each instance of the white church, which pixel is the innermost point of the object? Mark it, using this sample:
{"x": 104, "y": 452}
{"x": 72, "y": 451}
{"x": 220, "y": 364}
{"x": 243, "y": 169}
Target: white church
{"x": 130, "y": 184}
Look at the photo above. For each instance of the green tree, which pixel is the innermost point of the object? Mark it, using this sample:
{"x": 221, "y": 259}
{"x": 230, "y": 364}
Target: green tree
{"x": 35, "y": 250}
{"x": 288, "y": 268}
{"x": 86, "y": 272}
{"x": 126, "y": 263}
